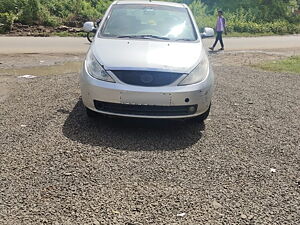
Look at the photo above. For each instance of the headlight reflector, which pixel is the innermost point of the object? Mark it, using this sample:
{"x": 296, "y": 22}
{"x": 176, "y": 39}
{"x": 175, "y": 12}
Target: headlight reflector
{"x": 95, "y": 69}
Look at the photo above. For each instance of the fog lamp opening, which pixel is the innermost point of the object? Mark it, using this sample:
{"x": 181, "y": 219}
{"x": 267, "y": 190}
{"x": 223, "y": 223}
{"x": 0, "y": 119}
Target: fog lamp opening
{"x": 192, "y": 109}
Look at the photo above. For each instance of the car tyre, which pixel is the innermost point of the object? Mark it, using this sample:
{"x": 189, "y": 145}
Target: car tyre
{"x": 90, "y": 113}
{"x": 203, "y": 116}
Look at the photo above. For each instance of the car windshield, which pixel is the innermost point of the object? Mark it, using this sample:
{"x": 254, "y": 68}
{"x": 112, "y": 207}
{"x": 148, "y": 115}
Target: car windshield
{"x": 149, "y": 22}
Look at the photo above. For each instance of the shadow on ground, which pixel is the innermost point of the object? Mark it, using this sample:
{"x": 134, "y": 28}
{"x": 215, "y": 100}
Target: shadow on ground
{"x": 131, "y": 134}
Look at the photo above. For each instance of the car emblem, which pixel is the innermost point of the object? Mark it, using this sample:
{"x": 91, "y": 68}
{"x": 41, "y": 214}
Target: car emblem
{"x": 147, "y": 78}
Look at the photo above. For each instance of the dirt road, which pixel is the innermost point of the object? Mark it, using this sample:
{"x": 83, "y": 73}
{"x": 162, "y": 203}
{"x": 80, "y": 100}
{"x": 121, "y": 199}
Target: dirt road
{"x": 57, "y": 167}
{"x": 80, "y": 45}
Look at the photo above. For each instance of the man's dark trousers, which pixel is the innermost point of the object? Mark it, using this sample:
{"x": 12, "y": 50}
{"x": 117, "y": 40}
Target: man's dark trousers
{"x": 219, "y": 38}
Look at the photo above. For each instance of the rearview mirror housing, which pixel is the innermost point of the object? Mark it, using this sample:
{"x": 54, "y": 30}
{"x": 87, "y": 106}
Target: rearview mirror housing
{"x": 208, "y": 32}
{"x": 89, "y": 27}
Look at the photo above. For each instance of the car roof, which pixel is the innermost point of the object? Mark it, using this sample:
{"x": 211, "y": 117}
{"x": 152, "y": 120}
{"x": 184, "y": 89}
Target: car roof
{"x": 149, "y": 2}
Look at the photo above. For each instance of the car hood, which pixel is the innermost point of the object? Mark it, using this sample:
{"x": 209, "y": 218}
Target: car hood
{"x": 115, "y": 54}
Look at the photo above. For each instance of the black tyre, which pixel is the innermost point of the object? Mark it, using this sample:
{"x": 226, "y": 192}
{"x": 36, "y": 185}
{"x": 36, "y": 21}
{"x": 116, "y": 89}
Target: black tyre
{"x": 203, "y": 116}
{"x": 90, "y": 36}
{"x": 90, "y": 113}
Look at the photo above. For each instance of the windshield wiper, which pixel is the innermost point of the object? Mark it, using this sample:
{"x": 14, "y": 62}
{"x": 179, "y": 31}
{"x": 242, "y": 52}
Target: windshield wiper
{"x": 127, "y": 36}
{"x": 184, "y": 39}
{"x": 144, "y": 37}
{"x": 155, "y": 37}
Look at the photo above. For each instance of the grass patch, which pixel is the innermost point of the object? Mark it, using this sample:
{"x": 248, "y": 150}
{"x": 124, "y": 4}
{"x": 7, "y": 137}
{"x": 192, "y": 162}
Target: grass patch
{"x": 245, "y": 34}
{"x": 291, "y": 64}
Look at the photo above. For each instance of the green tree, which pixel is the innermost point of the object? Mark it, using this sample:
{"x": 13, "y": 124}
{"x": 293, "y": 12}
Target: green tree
{"x": 30, "y": 12}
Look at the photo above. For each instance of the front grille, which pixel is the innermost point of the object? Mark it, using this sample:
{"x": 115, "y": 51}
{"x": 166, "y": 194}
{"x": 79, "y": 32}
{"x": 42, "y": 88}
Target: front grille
{"x": 145, "y": 110}
{"x": 146, "y": 78}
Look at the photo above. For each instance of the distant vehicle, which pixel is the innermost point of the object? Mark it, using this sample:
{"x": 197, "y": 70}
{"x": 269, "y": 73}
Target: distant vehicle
{"x": 147, "y": 60}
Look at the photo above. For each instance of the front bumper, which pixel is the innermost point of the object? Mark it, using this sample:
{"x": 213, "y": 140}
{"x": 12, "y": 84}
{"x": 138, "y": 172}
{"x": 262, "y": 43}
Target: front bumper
{"x": 118, "y": 94}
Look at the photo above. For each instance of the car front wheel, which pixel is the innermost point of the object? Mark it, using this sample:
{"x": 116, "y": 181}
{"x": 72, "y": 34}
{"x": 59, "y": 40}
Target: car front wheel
{"x": 203, "y": 116}
{"x": 90, "y": 113}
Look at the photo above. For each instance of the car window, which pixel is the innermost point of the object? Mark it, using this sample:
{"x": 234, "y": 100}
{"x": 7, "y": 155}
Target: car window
{"x": 137, "y": 20}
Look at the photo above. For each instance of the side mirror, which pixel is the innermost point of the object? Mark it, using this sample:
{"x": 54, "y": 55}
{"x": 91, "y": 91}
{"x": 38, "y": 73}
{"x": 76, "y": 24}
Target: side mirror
{"x": 89, "y": 27}
{"x": 208, "y": 32}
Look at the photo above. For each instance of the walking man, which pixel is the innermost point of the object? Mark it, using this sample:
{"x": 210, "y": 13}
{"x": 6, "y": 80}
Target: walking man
{"x": 220, "y": 28}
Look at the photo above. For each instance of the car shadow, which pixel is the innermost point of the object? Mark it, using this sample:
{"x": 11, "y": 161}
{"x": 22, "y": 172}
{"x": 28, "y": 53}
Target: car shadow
{"x": 131, "y": 134}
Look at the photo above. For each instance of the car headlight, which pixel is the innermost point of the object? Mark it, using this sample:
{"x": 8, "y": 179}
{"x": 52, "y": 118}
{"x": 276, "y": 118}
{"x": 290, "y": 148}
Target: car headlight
{"x": 95, "y": 69}
{"x": 199, "y": 73}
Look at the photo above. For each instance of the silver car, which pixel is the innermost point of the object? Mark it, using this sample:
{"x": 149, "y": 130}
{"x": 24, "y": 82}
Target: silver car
{"x": 147, "y": 60}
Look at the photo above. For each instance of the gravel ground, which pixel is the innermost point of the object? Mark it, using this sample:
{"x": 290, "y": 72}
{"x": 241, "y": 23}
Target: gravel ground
{"x": 17, "y": 61}
{"x": 241, "y": 166}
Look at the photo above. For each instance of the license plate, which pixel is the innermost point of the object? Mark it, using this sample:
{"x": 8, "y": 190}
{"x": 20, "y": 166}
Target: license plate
{"x": 145, "y": 98}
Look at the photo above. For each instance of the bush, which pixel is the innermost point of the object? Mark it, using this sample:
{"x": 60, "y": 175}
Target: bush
{"x": 242, "y": 21}
{"x": 6, "y": 21}
{"x": 30, "y": 12}
{"x": 251, "y": 16}
{"x": 246, "y": 21}
{"x": 278, "y": 27}
{"x": 47, "y": 19}
{"x": 201, "y": 17}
